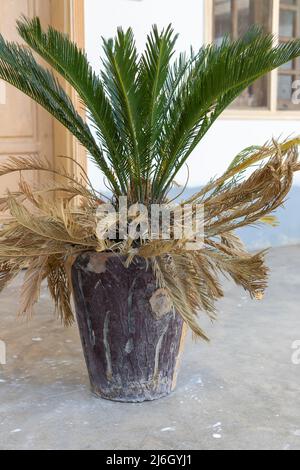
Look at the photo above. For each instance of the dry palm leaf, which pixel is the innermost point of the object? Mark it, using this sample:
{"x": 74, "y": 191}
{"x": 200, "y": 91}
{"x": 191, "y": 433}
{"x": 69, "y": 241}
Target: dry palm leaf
{"x": 48, "y": 231}
{"x": 149, "y": 111}
{"x": 60, "y": 289}
{"x": 33, "y": 278}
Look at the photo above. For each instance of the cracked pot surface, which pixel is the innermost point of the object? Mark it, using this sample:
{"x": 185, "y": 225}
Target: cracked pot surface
{"x": 131, "y": 337}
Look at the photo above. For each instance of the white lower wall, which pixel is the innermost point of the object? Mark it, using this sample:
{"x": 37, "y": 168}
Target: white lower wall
{"x": 227, "y": 137}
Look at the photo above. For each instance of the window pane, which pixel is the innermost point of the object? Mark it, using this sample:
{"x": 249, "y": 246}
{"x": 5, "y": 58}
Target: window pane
{"x": 287, "y": 24}
{"x": 289, "y": 27}
{"x": 288, "y": 2}
{"x": 252, "y": 12}
{"x": 288, "y": 88}
{"x": 285, "y": 87}
{"x": 256, "y": 96}
{"x": 288, "y": 66}
{"x": 235, "y": 17}
{"x": 243, "y": 14}
{"x": 222, "y": 19}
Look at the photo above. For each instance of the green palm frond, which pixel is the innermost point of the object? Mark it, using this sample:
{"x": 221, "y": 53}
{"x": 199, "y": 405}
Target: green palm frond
{"x": 19, "y": 68}
{"x": 154, "y": 71}
{"x": 220, "y": 75}
{"x": 71, "y": 63}
{"x": 41, "y": 85}
{"x": 120, "y": 79}
{"x": 149, "y": 111}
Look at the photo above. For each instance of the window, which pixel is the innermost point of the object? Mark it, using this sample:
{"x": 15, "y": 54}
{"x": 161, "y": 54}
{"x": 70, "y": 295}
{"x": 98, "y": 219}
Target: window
{"x": 289, "y": 27}
{"x": 281, "y": 17}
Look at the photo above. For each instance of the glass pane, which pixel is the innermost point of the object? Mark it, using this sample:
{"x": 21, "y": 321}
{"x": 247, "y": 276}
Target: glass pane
{"x": 288, "y": 66}
{"x": 289, "y": 92}
{"x": 288, "y": 2}
{"x": 256, "y": 96}
{"x": 287, "y": 24}
{"x": 289, "y": 28}
{"x": 243, "y": 12}
{"x": 252, "y": 12}
{"x": 236, "y": 17}
{"x": 222, "y": 19}
{"x": 285, "y": 87}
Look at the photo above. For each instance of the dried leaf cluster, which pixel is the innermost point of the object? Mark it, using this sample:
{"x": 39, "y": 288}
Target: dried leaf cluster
{"x": 50, "y": 225}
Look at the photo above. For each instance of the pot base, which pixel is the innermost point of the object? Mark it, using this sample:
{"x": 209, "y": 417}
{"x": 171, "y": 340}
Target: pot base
{"x": 144, "y": 395}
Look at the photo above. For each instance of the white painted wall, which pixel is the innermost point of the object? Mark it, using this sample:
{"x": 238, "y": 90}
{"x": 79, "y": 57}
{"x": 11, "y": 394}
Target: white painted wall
{"x": 227, "y": 137}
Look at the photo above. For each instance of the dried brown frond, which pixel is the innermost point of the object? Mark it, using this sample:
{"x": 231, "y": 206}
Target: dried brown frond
{"x": 265, "y": 152}
{"x": 33, "y": 279}
{"x": 248, "y": 271}
{"x": 249, "y": 201}
{"x": 51, "y": 225}
{"x": 9, "y": 269}
{"x": 170, "y": 279}
{"x": 60, "y": 289}
{"x": 44, "y": 230}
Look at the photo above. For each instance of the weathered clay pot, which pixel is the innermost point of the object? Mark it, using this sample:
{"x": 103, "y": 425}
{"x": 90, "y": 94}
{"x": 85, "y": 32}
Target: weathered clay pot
{"x": 130, "y": 336}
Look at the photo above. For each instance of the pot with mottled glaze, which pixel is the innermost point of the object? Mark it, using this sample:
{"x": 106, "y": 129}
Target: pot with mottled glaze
{"x": 131, "y": 336}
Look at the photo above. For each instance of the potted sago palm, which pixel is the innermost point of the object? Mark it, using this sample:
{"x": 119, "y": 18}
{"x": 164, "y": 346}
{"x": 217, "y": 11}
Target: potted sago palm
{"x": 137, "y": 284}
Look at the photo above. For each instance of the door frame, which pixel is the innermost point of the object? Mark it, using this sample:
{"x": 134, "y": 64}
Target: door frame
{"x": 68, "y": 16}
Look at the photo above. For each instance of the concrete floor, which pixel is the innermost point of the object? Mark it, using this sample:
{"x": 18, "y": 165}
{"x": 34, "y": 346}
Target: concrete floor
{"x": 241, "y": 391}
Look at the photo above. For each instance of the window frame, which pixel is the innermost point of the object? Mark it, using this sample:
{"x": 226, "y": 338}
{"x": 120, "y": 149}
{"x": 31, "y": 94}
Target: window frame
{"x": 272, "y": 112}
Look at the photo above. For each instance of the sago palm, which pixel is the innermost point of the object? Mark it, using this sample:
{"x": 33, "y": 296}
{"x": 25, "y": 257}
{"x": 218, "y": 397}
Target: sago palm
{"x": 150, "y": 111}
{"x": 146, "y": 114}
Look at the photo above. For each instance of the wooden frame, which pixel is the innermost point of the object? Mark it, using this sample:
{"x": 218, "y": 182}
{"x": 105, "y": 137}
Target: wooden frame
{"x": 68, "y": 16}
{"x": 272, "y": 112}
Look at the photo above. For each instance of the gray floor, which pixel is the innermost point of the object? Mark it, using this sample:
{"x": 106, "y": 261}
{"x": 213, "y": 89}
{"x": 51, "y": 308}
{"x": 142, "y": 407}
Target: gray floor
{"x": 241, "y": 391}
